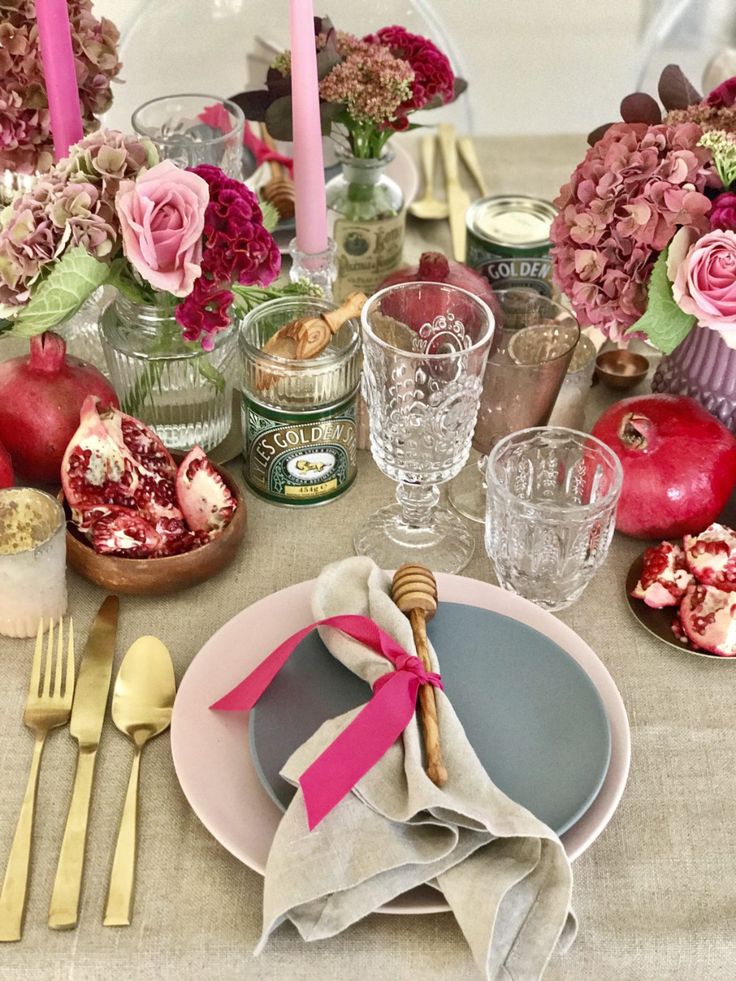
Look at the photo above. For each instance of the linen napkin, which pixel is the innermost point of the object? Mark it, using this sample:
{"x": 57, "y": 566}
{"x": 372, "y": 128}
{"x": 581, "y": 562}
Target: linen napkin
{"x": 504, "y": 874}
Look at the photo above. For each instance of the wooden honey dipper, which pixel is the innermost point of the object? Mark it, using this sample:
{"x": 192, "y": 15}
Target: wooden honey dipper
{"x": 307, "y": 337}
{"x": 279, "y": 189}
{"x": 414, "y": 591}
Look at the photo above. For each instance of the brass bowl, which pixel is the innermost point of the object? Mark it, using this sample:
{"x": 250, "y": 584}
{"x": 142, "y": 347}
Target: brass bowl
{"x": 168, "y": 574}
{"x": 621, "y": 369}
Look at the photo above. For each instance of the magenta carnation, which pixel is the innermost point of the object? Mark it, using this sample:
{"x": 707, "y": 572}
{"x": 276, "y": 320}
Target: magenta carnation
{"x": 434, "y": 79}
{"x": 724, "y": 96}
{"x": 723, "y": 213}
{"x": 237, "y": 249}
{"x": 635, "y": 187}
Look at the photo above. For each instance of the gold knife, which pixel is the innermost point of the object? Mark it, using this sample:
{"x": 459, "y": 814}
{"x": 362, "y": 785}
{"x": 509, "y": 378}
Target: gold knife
{"x": 88, "y": 713}
{"x": 457, "y": 198}
{"x": 470, "y": 158}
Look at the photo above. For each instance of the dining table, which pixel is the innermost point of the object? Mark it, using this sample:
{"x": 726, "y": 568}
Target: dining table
{"x": 654, "y": 895}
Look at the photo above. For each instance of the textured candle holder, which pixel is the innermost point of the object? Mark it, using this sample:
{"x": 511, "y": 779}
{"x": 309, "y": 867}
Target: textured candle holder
{"x": 318, "y": 268}
{"x": 32, "y": 560}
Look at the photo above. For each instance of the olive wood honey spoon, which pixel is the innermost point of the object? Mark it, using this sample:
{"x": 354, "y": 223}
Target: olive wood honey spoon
{"x": 279, "y": 188}
{"x": 414, "y": 591}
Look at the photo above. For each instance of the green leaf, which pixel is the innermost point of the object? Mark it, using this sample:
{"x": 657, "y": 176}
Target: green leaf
{"x": 271, "y": 217}
{"x": 207, "y": 370}
{"x": 664, "y": 323}
{"x": 71, "y": 281}
{"x": 121, "y": 277}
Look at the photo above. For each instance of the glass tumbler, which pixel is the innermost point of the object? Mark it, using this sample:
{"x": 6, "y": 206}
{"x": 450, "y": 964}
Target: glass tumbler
{"x": 552, "y": 496}
{"x": 532, "y": 347}
{"x": 425, "y": 347}
{"x": 193, "y": 130}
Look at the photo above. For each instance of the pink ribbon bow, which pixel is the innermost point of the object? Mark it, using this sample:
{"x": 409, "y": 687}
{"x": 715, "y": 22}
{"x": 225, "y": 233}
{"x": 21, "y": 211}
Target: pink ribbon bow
{"x": 373, "y": 731}
{"x": 218, "y": 117}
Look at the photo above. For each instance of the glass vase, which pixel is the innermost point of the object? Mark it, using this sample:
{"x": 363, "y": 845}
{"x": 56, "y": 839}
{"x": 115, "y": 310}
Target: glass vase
{"x": 367, "y": 222}
{"x": 182, "y": 392}
{"x": 703, "y": 366}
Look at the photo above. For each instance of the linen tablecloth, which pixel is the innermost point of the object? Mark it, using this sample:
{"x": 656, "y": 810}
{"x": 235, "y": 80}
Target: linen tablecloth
{"x": 655, "y": 895}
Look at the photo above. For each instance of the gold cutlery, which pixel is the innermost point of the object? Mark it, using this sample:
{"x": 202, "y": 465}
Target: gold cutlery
{"x": 88, "y": 713}
{"x": 46, "y": 708}
{"x": 428, "y": 206}
{"x": 414, "y": 591}
{"x": 470, "y": 158}
{"x": 142, "y": 700}
{"x": 458, "y": 199}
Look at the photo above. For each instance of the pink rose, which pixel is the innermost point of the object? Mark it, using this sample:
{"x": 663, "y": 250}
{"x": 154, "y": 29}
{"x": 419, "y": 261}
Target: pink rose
{"x": 705, "y": 283}
{"x": 162, "y": 219}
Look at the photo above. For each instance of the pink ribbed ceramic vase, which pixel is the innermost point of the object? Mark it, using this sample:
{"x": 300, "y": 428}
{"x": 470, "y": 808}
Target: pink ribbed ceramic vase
{"x": 704, "y": 367}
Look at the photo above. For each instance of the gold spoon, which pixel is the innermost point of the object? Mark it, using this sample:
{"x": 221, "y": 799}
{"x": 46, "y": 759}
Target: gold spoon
{"x": 141, "y": 709}
{"x": 429, "y": 206}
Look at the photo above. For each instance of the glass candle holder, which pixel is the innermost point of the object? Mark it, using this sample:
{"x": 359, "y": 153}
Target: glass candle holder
{"x": 193, "y": 130}
{"x": 552, "y": 496}
{"x": 32, "y": 560}
{"x": 317, "y": 268}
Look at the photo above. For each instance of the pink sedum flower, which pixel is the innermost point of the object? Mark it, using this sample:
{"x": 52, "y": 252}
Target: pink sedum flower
{"x": 162, "y": 220}
{"x": 705, "y": 282}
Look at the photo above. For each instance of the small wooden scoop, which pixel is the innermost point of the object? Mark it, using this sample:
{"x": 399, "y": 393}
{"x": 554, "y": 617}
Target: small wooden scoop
{"x": 414, "y": 591}
{"x": 306, "y": 338}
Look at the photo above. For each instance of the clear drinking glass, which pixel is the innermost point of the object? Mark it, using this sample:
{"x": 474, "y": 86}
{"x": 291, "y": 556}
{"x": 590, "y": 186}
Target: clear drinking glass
{"x": 532, "y": 347}
{"x": 194, "y": 129}
{"x": 425, "y": 347}
{"x": 552, "y": 495}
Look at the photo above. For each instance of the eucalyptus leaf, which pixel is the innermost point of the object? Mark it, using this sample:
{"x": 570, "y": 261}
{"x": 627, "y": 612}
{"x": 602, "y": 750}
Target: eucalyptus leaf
{"x": 71, "y": 281}
{"x": 254, "y": 104}
{"x": 664, "y": 323}
{"x": 278, "y": 119}
{"x": 675, "y": 90}
{"x": 641, "y": 108}
{"x": 597, "y": 133}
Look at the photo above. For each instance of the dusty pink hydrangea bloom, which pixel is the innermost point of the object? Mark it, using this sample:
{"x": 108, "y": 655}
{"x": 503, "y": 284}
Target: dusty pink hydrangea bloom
{"x": 25, "y": 137}
{"x": 624, "y": 203}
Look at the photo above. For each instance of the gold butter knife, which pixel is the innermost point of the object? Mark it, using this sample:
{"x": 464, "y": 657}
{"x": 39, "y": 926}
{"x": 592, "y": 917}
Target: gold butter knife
{"x": 457, "y": 198}
{"x": 470, "y": 158}
{"x": 88, "y": 713}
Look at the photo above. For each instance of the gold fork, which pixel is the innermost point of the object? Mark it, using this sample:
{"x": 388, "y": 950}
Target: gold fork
{"x": 46, "y": 708}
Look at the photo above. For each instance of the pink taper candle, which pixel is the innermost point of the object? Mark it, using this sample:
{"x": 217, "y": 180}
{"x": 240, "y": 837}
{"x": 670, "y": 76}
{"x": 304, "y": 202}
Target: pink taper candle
{"x": 309, "y": 168}
{"x": 55, "y": 37}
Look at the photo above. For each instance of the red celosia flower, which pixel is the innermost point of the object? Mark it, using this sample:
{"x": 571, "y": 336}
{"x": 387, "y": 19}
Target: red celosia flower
{"x": 237, "y": 249}
{"x": 433, "y": 75}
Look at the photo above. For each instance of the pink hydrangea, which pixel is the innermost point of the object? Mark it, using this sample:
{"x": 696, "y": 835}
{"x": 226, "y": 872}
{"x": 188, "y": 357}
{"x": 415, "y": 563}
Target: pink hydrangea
{"x": 635, "y": 187}
{"x": 25, "y": 135}
{"x": 237, "y": 249}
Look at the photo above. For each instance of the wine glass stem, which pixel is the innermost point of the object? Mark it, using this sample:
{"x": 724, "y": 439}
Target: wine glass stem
{"x": 417, "y": 503}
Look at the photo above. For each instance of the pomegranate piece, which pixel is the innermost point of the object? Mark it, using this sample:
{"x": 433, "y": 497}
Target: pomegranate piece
{"x": 116, "y": 530}
{"x": 203, "y": 495}
{"x": 6, "y": 468}
{"x": 679, "y": 464}
{"x": 664, "y": 577}
{"x": 708, "y": 618}
{"x": 711, "y": 556}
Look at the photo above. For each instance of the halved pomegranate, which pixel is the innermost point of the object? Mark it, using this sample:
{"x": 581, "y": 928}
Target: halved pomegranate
{"x": 116, "y": 530}
{"x": 203, "y": 495}
{"x": 708, "y": 618}
{"x": 711, "y": 556}
{"x": 664, "y": 577}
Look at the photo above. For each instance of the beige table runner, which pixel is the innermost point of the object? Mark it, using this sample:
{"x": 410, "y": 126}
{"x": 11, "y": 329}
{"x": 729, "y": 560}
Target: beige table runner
{"x": 655, "y": 894}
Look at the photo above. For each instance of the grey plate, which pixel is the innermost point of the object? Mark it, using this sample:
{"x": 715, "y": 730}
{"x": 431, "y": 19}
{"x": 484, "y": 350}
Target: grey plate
{"x": 531, "y": 713}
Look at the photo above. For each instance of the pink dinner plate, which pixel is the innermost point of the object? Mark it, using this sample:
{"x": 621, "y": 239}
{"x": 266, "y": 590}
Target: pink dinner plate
{"x": 211, "y": 750}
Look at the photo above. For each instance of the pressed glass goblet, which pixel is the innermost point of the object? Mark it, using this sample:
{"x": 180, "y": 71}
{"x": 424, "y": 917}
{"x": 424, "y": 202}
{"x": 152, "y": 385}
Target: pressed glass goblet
{"x": 193, "y": 130}
{"x": 425, "y": 347}
{"x": 532, "y": 346}
{"x": 552, "y": 495}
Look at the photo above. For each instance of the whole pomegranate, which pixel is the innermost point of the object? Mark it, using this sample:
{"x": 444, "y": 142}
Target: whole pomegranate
{"x": 40, "y": 399}
{"x": 6, "y": 468}
{"x": 679, "y": 464}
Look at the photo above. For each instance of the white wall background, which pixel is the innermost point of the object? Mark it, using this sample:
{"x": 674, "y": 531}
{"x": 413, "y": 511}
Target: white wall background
{"x": 534, "y": 66}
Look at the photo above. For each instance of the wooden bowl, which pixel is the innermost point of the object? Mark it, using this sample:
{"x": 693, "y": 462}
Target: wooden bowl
{"x": 621, "y": 369}
{"x": 155, "y": 577}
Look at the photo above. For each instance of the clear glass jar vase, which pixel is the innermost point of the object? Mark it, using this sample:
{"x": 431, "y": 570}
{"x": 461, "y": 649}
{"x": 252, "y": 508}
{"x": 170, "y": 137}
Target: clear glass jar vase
{"x": 367, "y": 220}
{"x": 182, "y": 392}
